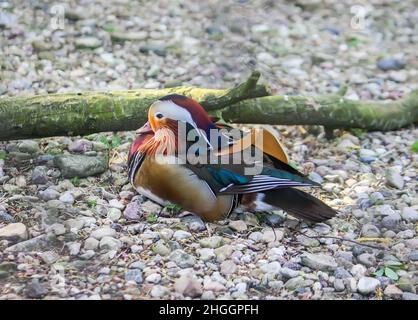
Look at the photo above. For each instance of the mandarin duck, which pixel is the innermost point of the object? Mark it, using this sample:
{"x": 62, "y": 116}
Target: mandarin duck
{"x": 213, "y": 189}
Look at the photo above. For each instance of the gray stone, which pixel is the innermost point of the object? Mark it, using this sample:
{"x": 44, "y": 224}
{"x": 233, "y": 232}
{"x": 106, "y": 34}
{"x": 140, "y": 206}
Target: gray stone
{"x": 407, "y": 284}
{"x": 406, "y": 234}
{"x": 393, "y": 292}
{"x": 194, "y": 223}
{"x": 137, "y": 265}
{"x": 238, "y": 225}
{"x": 114, "y": 203}
{"x": 161, "y": 249}
{"x": 49, "y": 194}
{"x": 394, "y": 178}
{"x": 128, "y": 36}
{"x": 255, "y": 236}
{"x": 88, "y": 255}
{"x": 339, "y": 285}
{"x": 39, "y": 243}
{"x": 80, "y": 146}
{"x": 385, "y": 210}
{"x": 370, "y": 231}
{"x": 367, "y": 285}
{"x": 322, "y": 228}
{"x": 75, "y": 224}
{"x": 377, "y": 197}
{"x": 367, "y": 155}
{"x": 341, "y": 273}
{"x": 67, "y": 198}
{"x": 159, "y": 291}
{"x": 409, "y": 296}
{"x": 206, "y": 254}
{"x": 80, "y": 165}
{"x": 35, "y": 290}
{"x": 39, "y": 175}
{"x": 289, "y": 273}
{"x": 316, "y": 177}
{"x": 87, "y": 43}
{"x": 104, "y": 270}
{"x": 49, "y": 257}
{"x": 153, "y": 278}
{"x": 224, "y": 252}
{"x": 228, "y": 267}
{"x": 182, "y": 259}
{"x": 211, "y": 242}
{"x": 7, "y": 19}
{"x": 272, "y": 235}
{"x": 57, "y": 229}
{"x": 346, "y": 145}
{"x": 398, "y": 76}
{"x": 413, "y": 256}
{"x": 392, "y": 221}
{"x": 5, "y": 217}
{"x": 295, "y": 283}
{"x": 7, "y": 269}
{"x": 134, "y": 275}
{"x": 386, "y": 64}
{"x": 114, "y": 214}
{"x": 409, "y": 214}
{"x": 166, "y": 234}
{"x": 181, "y": 235}
{"x": 133, "y": 211}
{"x": 367, "y": 259}
{"x": 109, "y": 243}
{"x": 103, "y": 232}
{"x": 74, "y": 248}
{"x": 358, "y": 271}
{"x": 28, "y": 146}
{"x": 319, "y": 261}
{"x": 271, "y": 267}
{"x": 75, "y": 14}
{"x": 159, "y": 50}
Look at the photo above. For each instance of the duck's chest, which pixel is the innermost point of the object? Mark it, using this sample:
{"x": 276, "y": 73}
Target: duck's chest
{"x": 165, "y": 180}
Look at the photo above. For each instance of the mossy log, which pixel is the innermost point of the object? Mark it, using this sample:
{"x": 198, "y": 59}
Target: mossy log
{"x": 90, "y": 112}
{"x": 331, "y": 111}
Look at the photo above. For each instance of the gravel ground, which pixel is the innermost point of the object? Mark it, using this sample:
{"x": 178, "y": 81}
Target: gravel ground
{"x": 93, "y": 237}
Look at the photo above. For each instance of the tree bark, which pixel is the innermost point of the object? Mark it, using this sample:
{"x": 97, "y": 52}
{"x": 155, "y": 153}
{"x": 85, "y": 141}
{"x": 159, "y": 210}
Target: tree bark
{"x": 91, "y": 112}
{"x": 333, "y": 111}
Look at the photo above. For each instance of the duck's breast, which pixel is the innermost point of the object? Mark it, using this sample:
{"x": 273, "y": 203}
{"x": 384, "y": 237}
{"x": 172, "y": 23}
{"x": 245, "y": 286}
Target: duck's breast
{"x": 165, "y": 179}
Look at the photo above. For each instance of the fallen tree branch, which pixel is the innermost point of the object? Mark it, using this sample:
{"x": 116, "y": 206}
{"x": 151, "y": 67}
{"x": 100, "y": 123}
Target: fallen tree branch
{"x": 246, "y": 90}
{"x": 332, "y": 111}
{"x": 90, "y": 112}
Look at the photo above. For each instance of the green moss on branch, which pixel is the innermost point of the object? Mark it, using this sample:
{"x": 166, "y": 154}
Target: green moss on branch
{"x": 332, "y": 111}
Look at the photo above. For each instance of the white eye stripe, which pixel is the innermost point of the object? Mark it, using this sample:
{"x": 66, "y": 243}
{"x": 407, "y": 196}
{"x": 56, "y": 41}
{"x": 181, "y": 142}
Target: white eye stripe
{"x": 172, "y": 111}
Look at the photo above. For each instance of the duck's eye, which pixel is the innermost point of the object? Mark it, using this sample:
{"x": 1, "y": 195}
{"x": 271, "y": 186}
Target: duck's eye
{"x": 159, "y": 115}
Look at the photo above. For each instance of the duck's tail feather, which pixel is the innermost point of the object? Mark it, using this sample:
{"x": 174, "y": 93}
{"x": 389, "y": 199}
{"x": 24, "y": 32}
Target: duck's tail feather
{"x": 299, "y": 204}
